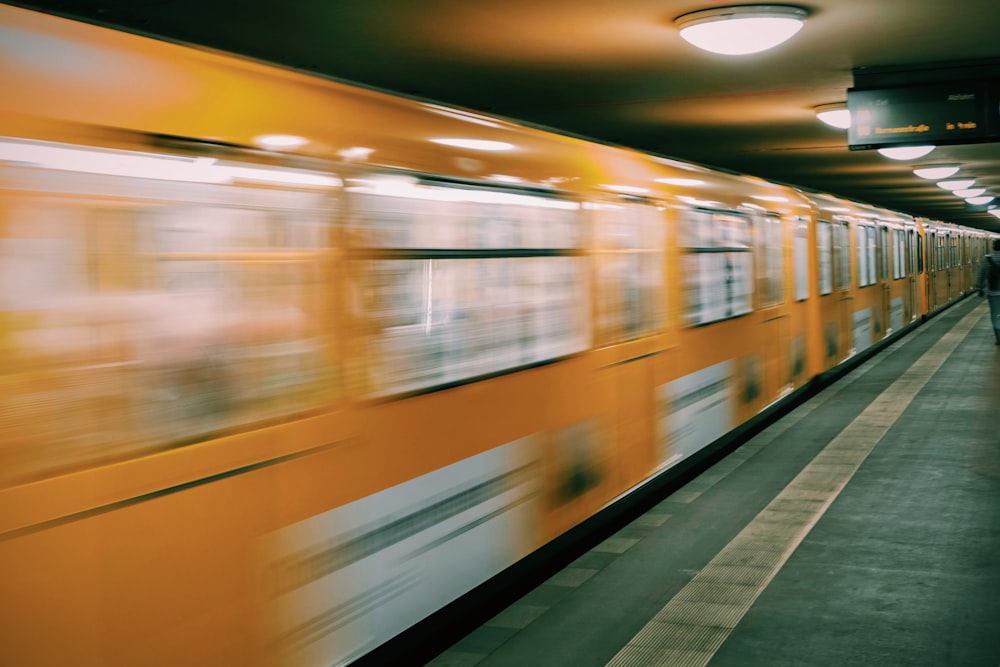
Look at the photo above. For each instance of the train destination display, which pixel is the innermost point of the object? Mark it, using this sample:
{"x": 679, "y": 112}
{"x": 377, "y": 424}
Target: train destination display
{"x": 940, "y": 113}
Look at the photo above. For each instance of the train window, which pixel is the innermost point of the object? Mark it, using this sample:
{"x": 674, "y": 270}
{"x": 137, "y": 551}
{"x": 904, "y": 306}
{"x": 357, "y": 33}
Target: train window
{"x": 918, "y": 250}
{"x": 900, "y": 256}
{"x": 629, "y": 258}
{"x": 455, "y": 281}
{"x": 862, "y": 250}
{"x": 769, "y": 266}
{"x": 841, "y": 255}
{"x": 824, "y": 250}
{"x": 866, "y": 255}
{"x": 942, "y": 258}
{"x": 956, "y": 253}
{"x": 159, "y": 298}
{"x": 800, "y": 254}
{"x": 885, "y": 250}
{"x": 718, "y": 268}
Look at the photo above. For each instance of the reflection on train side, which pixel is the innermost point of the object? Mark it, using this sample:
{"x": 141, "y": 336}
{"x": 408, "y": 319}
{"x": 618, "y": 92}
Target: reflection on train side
{"x": 347, "y": 580}
{"x": 150, "y": 299}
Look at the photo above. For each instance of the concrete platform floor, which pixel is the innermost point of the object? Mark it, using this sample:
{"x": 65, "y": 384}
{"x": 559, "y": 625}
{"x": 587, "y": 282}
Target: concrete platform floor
{"x": 861, "y": 529}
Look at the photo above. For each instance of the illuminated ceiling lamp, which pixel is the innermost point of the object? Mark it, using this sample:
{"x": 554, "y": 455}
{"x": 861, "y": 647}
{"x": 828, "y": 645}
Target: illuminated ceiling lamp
{"x": 933, "y": 172}
{"x": 957, "y": 184}
{"x": 968, "y": 192}
{"x": 906, "y": 152}
{"x": 979, "y": 201}
{"x": 741, "y": 30}
{"x": 835, "y": 115}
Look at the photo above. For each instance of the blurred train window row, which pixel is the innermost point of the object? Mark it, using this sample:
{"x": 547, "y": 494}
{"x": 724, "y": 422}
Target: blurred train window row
{"x": 150, "y": 298}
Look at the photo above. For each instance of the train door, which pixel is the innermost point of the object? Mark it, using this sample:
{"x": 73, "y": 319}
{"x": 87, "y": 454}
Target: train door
{"x": 884, "y": 278}
{"x": 932, "y": 244}
{"x": 769, "y": 247}
{"x": 957, "y": 283}
{"x": 913, "y": 268}
{"x": 842, "y": 286}
{"x": 944, "y": 246}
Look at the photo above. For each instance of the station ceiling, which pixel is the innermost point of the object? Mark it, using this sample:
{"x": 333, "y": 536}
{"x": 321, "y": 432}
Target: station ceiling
{"x": 618, "y": 71}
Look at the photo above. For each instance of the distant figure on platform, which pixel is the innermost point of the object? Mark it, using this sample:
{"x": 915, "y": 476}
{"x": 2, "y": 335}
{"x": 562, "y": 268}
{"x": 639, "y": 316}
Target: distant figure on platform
{"x": 989, "y": 283}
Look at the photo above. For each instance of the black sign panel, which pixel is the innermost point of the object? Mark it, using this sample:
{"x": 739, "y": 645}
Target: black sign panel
{"x": 940, "y": 113}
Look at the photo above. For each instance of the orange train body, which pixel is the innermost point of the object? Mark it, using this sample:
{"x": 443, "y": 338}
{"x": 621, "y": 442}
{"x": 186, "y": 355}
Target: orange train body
{"x": 267, "y": 406}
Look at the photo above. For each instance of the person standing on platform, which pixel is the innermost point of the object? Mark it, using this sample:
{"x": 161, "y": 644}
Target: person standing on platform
{"x": 989, "y": 284}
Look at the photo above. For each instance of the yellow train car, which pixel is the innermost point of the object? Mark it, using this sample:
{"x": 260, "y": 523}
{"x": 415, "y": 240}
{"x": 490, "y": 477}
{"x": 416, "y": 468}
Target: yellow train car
{"x": 949, "y": 263}
{"x": 289, "y": 366}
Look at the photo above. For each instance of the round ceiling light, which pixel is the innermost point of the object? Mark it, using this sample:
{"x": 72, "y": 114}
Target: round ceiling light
{"x": 741, "y": 30}
{"x": 835, "y": 115}
{"x": 979, "y": 201}
{"x": 906, "y": 152}
{"x": 968, "y": 192}
{"x": 957, "y": 184}
{"x": 933, "y": 172}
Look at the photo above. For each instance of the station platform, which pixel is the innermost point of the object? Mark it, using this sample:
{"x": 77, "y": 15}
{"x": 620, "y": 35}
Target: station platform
{"x": 863, "y": 528}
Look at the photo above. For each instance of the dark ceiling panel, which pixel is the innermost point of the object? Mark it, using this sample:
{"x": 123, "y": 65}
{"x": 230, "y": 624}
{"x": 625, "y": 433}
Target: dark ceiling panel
{"x": 619, "y": 72}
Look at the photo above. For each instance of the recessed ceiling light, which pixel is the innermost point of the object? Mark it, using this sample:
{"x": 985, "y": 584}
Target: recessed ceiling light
{"x": 979, "y": 201}
{"x": 905, "y": 152}
{"x": 275, "y": 141}
{"x": 968, "y": 192}
{"x": 995, "y": 212}
{"x": 737, "y": 31}
{"x": 933, "y": 172}
{"x": 957, "y": 184}
{"x": 474, "y": 144}
{"x": 835, "y": 115}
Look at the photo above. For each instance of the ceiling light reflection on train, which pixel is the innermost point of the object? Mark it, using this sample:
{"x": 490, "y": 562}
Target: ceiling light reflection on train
{"x": 957, "y": 184}
{"x": 936, "y": 171}
{"x": 280, "y": 176}
{"x": 505, "y": 178}
{"x": 968, "y": 192}
{"x": 133, "y": 164}
{"x": 906, "y": 152}
{"x": 474, "y": 144}
{"x": 694, "y": 201}
{"x": 355, "y": 153}
{"x": 624, "y": 189}
{"x": 772, "y": 198}
{"x": 682, "y": 182}
{"x": 412, "y": 188}
{"x": 459, "y": 114}
{"x": 279, "y": 141}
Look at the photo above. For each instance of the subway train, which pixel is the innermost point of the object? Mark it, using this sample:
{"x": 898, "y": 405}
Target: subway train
{"x": 289, "y": 366}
